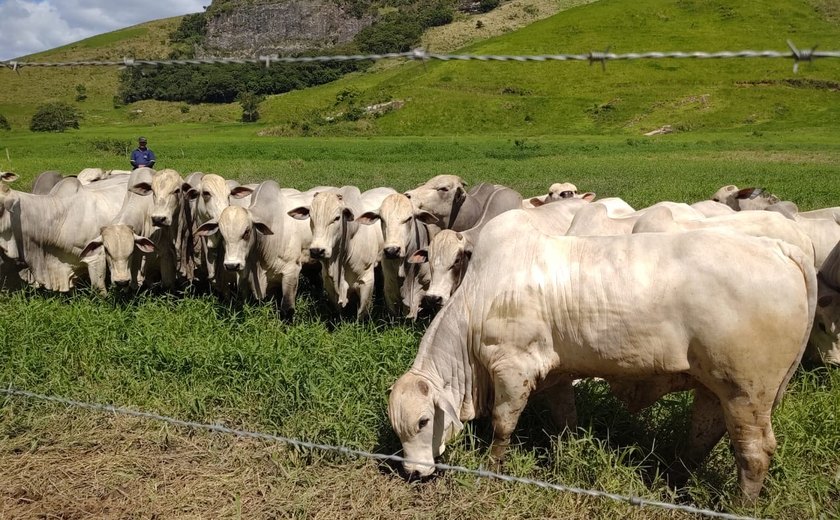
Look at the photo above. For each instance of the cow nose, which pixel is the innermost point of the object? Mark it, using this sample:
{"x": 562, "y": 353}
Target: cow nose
{"x": 233, "y": 266}
{"x": 392, "y": 252}
{"x": 121, "y": 283}
{"x": 316, "y": 252}
{"x": 414, "y": 475}
{"x": 432, "y": 301}
{"x": 159, "y": 220}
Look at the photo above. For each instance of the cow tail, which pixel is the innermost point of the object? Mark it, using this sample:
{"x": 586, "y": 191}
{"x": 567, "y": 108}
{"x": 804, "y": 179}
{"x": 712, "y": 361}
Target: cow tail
{"x": 809, "y": 274}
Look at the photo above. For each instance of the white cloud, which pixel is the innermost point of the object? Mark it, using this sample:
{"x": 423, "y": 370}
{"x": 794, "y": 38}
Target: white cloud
{"x": 28, "y": 26}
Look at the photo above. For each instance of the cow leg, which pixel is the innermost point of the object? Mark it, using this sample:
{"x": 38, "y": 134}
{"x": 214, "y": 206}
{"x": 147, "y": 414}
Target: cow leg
{"x": 97, "y": 268}
{"x": 512, "y": 389}
{"x": 365, "y": 285}
{"x": 751, "y": 433}
{"x": 639, "y": 394}
{"x": 707, "y": 427}
{"x": 289, "y": 286}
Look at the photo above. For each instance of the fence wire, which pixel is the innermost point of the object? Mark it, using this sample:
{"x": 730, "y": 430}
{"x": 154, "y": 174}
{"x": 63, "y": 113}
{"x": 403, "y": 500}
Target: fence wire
{"x": 797, "y": 55}
{"x": 351, "y": 452}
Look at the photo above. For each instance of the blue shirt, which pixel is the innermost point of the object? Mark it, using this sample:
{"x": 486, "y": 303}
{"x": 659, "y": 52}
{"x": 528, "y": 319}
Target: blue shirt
{"x": 142, "y": 157}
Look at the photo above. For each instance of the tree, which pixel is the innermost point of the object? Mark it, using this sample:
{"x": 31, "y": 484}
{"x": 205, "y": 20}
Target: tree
{"x": 250, "y": 103}
{"x": 55, "y": 117}
{"x": 81, "y": 92}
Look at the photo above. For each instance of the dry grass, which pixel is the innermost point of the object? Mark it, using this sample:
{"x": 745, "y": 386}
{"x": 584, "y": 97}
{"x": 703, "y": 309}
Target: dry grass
{"x": 78, "y": 464}
{"x": 506, "y": 18}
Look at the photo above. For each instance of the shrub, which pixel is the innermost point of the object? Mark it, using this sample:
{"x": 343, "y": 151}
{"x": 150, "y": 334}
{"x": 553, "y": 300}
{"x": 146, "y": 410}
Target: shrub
{"x": 4, "y": 123}
{"x": 487, "y": 5}
{"x": 55, "y": 117}
{"x": 81, "y": 92}
{"x": 111, "y": 146}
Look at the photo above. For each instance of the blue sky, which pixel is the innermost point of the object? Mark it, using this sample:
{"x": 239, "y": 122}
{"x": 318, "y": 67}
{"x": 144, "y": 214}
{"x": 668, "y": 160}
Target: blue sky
{"x": 28, "y": 26}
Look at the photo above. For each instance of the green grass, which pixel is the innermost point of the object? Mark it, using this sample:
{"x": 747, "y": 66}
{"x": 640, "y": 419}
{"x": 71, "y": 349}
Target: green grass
{"x": 194, "y": 358}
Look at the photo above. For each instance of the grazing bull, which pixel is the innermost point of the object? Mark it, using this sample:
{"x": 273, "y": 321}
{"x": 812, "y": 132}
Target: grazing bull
{"x": 264, "y": 245}
{"x": 348, "y": 251}
{"x": 171, "y": 213}
{"x": 557, "y": 191}
{"x": 47, "y": 233}
{"x": 666, "y": 310}
{"x": 446, "y": 198}
{"x": 405, "y": 283}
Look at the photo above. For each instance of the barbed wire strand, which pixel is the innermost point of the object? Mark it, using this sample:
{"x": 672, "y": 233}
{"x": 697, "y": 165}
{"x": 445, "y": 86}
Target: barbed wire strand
{"x": 796, "y": 54}
{"x": 636, "y": 501}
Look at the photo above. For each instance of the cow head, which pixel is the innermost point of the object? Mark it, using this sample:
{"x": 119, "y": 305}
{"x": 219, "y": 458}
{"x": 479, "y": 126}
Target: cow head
{"x": 238, "y": 229}
{"x": 439, "y": 195}
{"x": 396, "y": 216}
{"x": 8, "y": 202}
{"x": 327, "y": 217}
{"x": 8, "y": 176}
{"x": 825, "y": 334}
{"x": 118, "y": 242}
{"x": 424, "y": 418}
{"x": 448, "y": 255}
{"x": 166, "y": 189}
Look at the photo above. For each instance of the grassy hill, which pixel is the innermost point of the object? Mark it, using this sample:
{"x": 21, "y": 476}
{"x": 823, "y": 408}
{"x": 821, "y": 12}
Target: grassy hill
{"x": 516, "y": 98}
{"x": 546, "y": 98}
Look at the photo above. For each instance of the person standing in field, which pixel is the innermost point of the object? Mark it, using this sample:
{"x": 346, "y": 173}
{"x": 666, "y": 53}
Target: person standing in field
{"x": 142, "y": 156}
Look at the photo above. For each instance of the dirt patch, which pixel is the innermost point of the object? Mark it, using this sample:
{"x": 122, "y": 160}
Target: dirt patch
{"x": 87, "y": 465}
{"x": 773, "y": 157}
{"x": 803, "y": 83}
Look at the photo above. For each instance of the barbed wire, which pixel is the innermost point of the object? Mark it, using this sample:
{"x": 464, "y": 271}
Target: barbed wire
{"x": 799, "y": 56}
{"x": 351, "y": 452}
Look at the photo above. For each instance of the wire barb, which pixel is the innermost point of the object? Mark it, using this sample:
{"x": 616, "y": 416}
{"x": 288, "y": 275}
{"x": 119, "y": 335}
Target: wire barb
{"x": 800, "y": 56}
{"x": 351, "y": 452}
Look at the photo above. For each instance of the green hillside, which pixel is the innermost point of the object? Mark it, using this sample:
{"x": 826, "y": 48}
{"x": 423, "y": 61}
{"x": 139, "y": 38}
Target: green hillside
{"x": 547, "y": 98}
{"x": 513, "y": 98}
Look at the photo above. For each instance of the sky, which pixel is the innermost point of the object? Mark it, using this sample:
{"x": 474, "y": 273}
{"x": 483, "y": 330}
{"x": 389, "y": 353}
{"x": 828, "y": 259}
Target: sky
{"x": 28, "y": 26}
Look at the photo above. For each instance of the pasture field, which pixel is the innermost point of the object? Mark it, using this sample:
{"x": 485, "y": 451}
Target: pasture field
{"x": 195, "y": 358}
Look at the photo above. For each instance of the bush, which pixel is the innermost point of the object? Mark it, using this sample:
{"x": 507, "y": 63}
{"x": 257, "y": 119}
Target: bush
{"x": 487, "y": 5}
{"x": 4, "y": 123}
{"x": 55, "y": 117}
{"x": 81, "y": 92}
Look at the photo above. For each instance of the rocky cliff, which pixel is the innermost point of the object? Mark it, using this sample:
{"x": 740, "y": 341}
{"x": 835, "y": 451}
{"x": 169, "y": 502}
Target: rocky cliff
{"x": 247, "y": 28}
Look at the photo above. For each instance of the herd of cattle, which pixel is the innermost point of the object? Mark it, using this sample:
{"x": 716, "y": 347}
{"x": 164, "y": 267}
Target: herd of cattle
{"x": 721, "y": 296}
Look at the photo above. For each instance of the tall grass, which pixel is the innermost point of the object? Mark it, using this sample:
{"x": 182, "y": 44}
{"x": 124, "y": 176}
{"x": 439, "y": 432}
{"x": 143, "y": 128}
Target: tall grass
{"x": 319, "y": 379}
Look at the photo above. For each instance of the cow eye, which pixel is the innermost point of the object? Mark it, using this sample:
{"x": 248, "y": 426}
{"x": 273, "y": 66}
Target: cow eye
{"x": 177, "y": 191}
{"x": 715, "y": 199}
{"x": 423, "y": 422}
{"x": 406, "y": 221}
{"x": 444, "y": 189}
{"x": 205, "y": 194}
{"x": 336, "y": 219}
{"x": 246, "y": 234}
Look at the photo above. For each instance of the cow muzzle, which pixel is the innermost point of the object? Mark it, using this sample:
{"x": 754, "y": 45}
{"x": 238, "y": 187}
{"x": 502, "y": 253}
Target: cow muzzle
{"x": 432, "y": 302}
{"x": 318, "y": 253}
{"x": 160, "y": 220}
{"x": 392, "y": 252}
{"x": 233, "y": 266}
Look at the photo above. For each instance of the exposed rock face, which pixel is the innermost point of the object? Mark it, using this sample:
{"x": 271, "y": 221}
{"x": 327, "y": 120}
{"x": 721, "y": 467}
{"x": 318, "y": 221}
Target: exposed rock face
{"x": 283, "y": 27}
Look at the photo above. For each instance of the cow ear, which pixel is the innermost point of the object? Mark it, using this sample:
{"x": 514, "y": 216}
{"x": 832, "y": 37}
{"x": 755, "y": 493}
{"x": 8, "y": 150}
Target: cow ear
{"x": 301, "y": 213}
{"x": 536, "y": 202}
{"x": 141, "y": 188}
{"x": 420, "y": 256}
{"x": 463, "y": 182}
{"x": 91, "y": 247}
{"x": 589, "y": 196}
{"x": 444, "y": 404}
{"x": 207, "y": 229}
{"x": 368, "y": 218}
{"x": 426, "y": 218}
{"x": 144, "y": 244}
{"x": 731, "y": 187}
{"x": 262, "y": 228}
{"x": 460, "y": 194}
{"x": 240, "y": 192}
{"x": 8, "y": 177}
{"x": 468, "y": 253}
{"x": 348, "y": 214}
